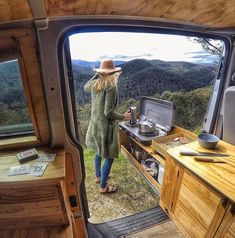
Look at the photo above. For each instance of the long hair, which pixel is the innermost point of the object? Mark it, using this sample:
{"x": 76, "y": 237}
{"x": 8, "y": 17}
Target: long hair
{"x": 105, "y": 80}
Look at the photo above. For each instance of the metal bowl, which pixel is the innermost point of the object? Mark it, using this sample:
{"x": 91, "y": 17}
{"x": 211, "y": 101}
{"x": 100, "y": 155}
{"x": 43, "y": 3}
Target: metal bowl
{"x": 207, "y": 141}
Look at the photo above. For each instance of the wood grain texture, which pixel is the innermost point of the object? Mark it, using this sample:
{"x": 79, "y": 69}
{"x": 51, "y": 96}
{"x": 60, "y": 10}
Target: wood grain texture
{"x": 45, "y": 232}
{"x": 227, "y": 227}
{"x": 14, "y": 10}
{"x": 19, "y": 142}
{"x": 29, "y": 201}
{"x": 220, "y": 177}
{"x": 31, "y": 214}
{"x": 169, "y": 182}
{"x": 79, "y": 228}
{"x": 215, "y": 13}
{"x": 218, "y": 217}
{"x": 231, "y": 232}
{"x": 30, "y": 193}
{"x": 162, "y": 144}
{"x": 70, "y": 185}
{"x": 196, "y": 206}
{"x": 54, "y": 172}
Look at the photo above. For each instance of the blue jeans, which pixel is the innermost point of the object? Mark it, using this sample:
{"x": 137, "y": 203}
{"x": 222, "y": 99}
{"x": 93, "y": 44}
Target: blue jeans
{"x": 104, "y": 172}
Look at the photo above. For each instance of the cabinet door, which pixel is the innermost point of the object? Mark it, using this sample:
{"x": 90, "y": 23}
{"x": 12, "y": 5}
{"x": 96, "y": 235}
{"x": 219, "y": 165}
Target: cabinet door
{"x": 227, "y": 227}
{"x": 197, "y": 208}
{"x": 171, "y": 174}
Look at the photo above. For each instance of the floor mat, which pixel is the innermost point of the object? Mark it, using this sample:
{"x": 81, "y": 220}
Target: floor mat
{"x": 131, "y": 224}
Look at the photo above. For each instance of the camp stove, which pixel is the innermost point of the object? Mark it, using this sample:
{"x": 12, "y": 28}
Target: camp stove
{"x": 160, "y": 111}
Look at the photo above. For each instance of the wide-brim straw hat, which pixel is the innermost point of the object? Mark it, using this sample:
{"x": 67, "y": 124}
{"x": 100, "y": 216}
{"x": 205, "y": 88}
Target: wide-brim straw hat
{"x": 107, "y": 66}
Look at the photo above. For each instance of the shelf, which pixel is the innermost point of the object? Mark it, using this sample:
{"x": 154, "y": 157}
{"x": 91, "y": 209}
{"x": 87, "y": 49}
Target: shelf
{"x": 147, "y": 149}
{"x": 152, "y": 181}
{"x": 53, "y": 173}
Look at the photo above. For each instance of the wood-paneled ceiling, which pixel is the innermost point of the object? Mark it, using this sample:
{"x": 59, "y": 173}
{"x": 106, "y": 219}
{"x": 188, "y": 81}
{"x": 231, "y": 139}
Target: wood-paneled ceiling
{"x": 212, "y": 13}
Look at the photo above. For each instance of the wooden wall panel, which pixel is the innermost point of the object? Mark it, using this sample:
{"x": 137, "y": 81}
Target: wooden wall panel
{"x": 217, "y": 13}
{"x": 31, "y": 214}
{"x": 214, "y": 13}
{"x": 14, "y": 10}
{"x": 45, "y": 232}
{"x": 27, "y": 193}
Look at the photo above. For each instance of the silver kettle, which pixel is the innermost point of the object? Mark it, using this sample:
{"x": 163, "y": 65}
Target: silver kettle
{"x": 147, "y": 126}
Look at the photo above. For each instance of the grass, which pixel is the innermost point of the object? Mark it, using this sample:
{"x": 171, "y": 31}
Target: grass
{"x": 134, "y": 194}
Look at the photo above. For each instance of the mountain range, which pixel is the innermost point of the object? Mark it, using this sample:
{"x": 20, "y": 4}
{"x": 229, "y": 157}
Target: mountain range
{"x": 141, "y": 77}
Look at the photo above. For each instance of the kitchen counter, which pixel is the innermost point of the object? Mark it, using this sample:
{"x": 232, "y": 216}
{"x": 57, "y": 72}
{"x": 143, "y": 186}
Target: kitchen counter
{"x": 220, "y": 176}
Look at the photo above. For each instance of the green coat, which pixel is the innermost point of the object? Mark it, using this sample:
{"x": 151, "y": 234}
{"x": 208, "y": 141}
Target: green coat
{"x": 103, "y": 127}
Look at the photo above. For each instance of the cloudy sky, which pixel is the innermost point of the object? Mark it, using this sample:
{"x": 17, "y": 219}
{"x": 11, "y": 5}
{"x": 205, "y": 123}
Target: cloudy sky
{"x": 128, "y": 46}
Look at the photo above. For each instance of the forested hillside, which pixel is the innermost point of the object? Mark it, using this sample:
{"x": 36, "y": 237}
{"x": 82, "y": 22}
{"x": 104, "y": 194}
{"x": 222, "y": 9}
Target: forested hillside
{"x": 142, "y": 77}
{"x": 12, "y": 104}
{"x": 190, "y": 108}
{"x": 186, "y": 84}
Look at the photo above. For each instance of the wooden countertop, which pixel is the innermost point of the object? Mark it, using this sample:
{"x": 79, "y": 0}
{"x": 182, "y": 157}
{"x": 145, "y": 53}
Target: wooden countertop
{"x": 220, "y": 176}
{"x": 55, "y": 170}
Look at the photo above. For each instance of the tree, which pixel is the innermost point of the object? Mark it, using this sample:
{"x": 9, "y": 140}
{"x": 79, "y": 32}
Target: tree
{"x": 214, "y": 47}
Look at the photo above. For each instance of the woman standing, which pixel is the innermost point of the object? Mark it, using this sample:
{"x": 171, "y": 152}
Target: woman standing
{"x": 102, "y": 130}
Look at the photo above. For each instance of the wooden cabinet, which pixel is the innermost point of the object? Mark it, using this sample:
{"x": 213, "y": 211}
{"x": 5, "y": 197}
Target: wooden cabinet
{"x": 194, "y": 207}
{"x": 199, "y": 197}
{"x": 227, "y": 227}
{"x": 30, "y": 206}
{"x": 32, "y": 201}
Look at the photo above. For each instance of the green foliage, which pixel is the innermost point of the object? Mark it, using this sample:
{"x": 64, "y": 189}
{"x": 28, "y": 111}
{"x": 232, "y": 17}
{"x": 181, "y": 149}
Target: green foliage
{"x": 190, "y": 108}
{"x": 13, "y": 109}
{"x": 173, "y": 81}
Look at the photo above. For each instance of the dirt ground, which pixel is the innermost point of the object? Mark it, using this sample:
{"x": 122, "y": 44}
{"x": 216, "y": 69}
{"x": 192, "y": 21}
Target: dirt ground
{"x": 134, "y": 193}
{"x": 133, "y": 196}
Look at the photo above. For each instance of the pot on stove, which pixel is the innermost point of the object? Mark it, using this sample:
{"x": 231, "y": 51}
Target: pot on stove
{"x": 147, "y": 126}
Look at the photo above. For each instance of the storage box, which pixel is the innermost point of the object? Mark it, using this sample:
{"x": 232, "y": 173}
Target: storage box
{"x": 161, "y": 145}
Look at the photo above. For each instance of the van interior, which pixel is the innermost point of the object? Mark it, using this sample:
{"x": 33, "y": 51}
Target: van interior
{"x": 175, "y": 176}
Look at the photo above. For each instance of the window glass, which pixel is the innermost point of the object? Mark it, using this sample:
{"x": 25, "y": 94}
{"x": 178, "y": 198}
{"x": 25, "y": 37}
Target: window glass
{"x": 170, "y": 67}
{"x": 14, "y": 115}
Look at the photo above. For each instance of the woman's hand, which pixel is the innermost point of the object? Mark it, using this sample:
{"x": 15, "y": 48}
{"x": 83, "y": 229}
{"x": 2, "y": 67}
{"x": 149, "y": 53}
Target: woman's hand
{"x": 127, "y": 116}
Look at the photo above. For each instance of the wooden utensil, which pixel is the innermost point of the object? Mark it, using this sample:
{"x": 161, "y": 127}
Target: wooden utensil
{"x": 208, "y": 160}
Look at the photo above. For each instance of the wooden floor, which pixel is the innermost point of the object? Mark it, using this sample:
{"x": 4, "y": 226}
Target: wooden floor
{"x": 46, "y": 232}
{"x": 164, "y": 230}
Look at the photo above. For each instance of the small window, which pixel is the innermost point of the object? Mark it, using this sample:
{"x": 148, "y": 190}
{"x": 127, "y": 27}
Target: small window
{"x": 14, "y": 113}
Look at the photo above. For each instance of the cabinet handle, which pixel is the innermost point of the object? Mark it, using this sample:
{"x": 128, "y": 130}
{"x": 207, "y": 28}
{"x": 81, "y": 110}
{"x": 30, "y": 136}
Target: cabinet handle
{"x": 232, "y": 210}
{"x": 224, "y": 202}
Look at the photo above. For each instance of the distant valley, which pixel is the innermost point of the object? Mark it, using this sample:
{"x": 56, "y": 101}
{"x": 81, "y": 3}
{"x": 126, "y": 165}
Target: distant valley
{"x": 142, "y": 77}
